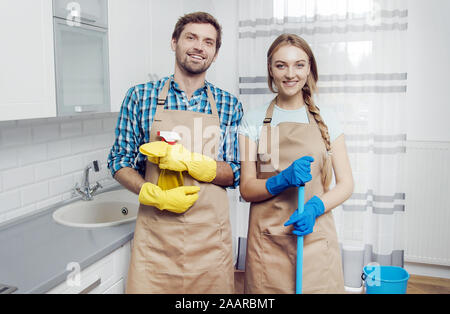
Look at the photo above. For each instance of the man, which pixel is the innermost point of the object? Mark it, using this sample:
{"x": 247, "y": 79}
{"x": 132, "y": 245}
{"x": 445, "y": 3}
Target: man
{"x": 182, "y": 240}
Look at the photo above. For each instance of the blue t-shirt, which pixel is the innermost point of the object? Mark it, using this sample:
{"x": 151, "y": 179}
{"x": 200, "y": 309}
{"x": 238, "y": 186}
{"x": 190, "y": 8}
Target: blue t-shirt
{"x": 252, "y": 120}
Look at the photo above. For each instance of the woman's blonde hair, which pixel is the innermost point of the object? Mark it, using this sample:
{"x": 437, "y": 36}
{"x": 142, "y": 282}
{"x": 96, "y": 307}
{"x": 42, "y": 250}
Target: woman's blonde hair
{"x": 308, "y": 90}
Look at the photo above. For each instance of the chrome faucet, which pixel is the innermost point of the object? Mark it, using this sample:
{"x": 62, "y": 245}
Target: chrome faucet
{"x": 86, "y": 191}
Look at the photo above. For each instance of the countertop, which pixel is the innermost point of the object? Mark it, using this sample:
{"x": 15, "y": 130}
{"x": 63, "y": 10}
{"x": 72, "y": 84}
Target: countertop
{"x": 35, "y": 250}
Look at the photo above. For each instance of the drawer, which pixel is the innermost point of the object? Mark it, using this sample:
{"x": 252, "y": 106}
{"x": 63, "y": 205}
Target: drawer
{"x": 117, "y": 288}
{"x": 93, "y": 279}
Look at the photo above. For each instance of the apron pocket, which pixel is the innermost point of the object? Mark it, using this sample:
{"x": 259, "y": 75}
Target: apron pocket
{"x": 203, "y": 248}
{"x": 183, "y": 247}
{"x": 163, "y": 247}
{"x": 278, "y": 262}
{"x": 316, "y": 263}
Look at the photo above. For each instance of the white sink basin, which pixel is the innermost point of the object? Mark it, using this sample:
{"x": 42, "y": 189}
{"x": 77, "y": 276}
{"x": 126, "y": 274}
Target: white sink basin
{"x": 105, "y": 210}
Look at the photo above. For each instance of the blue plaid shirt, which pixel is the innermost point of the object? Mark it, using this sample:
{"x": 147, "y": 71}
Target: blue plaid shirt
{"x": 136, "y": 118}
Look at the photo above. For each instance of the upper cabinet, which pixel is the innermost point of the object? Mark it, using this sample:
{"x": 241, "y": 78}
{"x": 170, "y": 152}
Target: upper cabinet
{"x": 66, "y": 57}
{"x": 81, "y": 56}
{"x": 129, "y": 46}
{"x": 27, "y": 75}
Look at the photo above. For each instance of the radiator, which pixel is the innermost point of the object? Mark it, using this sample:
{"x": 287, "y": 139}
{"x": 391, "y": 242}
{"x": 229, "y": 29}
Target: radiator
{"x": 427, "y": 238}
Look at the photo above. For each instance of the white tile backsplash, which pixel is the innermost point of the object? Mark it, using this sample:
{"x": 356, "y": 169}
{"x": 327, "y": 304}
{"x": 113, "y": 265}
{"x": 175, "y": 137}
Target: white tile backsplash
{"x": 71, "y": 129}
{"x": 34, "y": 193}
{"x": 9, "y": 201}
{"x": 92, "y": 126}
{"x": 45, "y": 133}
{"x": 58, "y": 149}
{"x": 8, "y": 158}
{"x": 42, "y": 159}
{"x": 16, "y": 136}
{"x": 71, "y": 164}
{"x": 47, "y": 170}
{"x": 18, "y": 177}
{"x": 31, "y": 154}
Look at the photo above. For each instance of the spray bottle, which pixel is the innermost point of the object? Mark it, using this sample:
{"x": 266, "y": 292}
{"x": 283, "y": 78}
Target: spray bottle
{"x": 169, "y": 179}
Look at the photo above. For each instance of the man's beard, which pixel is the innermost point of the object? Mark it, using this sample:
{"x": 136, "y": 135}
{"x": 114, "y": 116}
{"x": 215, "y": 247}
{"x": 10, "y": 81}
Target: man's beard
{"x": 190, "y": 67}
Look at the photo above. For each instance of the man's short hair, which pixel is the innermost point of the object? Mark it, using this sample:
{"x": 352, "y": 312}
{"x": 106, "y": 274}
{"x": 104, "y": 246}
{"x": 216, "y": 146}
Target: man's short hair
{"x": 200, "y": 18}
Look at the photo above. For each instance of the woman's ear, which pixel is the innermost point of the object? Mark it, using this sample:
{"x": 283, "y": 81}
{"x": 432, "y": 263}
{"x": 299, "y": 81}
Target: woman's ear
{"x": 269, "y": 67}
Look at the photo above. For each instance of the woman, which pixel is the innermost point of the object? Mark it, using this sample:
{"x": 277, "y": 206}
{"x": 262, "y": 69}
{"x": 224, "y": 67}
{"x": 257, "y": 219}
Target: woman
{"x": 284, "y": 145}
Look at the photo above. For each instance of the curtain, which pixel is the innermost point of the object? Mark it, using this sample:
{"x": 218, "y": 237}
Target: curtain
{"x": 360, "y": 48}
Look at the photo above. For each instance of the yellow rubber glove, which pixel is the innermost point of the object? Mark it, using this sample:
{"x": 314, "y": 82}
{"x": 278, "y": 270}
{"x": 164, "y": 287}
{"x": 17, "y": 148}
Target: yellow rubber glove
{"x": 154, "y": 150}
{"x": 177, "y": 200}
{"x": 178, "y": 158}
{"x": 167, "y": 179}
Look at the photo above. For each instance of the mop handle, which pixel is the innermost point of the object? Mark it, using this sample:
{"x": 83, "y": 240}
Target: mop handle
{"x": 299, "y": 272}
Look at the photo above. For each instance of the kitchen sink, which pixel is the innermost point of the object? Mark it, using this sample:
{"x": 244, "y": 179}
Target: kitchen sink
{"x": 105, "y": 210}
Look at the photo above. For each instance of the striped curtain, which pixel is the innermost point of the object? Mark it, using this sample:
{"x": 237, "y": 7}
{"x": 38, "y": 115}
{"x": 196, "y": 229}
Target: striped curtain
{"x": 360, "y": 47}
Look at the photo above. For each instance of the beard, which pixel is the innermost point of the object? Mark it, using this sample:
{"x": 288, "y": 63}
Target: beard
{"x": 191, "y": 67}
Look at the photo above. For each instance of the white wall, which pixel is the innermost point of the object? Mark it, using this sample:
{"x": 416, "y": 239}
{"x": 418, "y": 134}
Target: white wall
{"x": 428, "y": 70}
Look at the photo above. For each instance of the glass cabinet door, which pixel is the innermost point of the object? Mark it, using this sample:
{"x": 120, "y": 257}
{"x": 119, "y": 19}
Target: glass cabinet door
{"x": 82, "y": 68}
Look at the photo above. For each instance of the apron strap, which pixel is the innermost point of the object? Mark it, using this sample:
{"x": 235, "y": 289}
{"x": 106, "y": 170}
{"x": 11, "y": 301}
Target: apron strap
{"x": 266, "y": 127}
{"x": 163, "y": 95}
{"x": 212, "y": 102}
{"x": 165, "y": 91}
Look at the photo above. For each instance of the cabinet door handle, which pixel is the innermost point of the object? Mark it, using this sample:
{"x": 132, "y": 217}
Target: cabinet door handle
{"x": 87, "y": 20}
{"x": 91, "y": 287}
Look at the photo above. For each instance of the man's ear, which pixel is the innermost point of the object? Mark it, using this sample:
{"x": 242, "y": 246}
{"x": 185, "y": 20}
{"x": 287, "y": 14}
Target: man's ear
{"x": 173, "y": 44}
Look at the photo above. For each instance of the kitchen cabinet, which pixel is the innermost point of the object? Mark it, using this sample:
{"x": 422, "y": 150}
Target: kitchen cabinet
{"x": 106, "y": 276}
{"x": 129, "y": 46}
{"x": 27, "y": 58}
{"x": 27, "y": 75}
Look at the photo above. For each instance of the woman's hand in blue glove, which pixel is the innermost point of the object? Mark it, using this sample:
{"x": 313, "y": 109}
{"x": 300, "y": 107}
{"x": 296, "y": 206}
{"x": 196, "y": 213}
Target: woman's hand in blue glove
{"x": 304, "y": 222}
{"x": 297, "y": 174}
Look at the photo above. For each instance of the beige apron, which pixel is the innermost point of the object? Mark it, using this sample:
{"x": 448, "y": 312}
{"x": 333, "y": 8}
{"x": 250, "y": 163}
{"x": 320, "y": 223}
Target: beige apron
{"x": 272, "y": 248}
{"x": 190, "y": 252}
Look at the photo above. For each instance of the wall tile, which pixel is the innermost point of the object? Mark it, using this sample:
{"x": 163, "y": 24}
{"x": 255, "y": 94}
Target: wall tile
{"x": 92, "y": 126}
{"x": 33, "y": 193}
{"x": 61, "y": 185}
{"x": 45, "y": 133}
{"x": 18, "y": 177}
{"x": 47, "y": 170}
{"x": 29, "y": 154}
{"x": 8, "y": 158}
{"x": 9, "y": 201}
{"x": 71, "y": 129}
{"x": 16, "y": 136}
{"x": 82, "y": 144}
{"x": 58, "y": 149}
{"x": 72, "y": 164}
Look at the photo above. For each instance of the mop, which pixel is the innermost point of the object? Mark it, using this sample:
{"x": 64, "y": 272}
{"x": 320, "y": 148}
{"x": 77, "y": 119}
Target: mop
{"x": 299, "y": 271}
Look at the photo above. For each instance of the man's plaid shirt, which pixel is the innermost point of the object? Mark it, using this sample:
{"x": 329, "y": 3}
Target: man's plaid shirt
{"x": 136, "y": 118}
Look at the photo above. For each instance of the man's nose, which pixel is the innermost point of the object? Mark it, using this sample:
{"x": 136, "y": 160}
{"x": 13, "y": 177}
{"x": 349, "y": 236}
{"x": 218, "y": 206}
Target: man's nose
{"x": 198, "y": 45}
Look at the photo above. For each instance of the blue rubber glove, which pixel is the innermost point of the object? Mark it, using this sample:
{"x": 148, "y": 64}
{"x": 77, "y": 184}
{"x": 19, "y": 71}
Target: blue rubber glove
{"x": 298, "y": 173}
{"x": 304, "y": 222}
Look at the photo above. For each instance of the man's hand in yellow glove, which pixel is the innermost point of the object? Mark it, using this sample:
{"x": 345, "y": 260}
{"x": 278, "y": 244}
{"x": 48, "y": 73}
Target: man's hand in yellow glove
{"x": 154, "y": 150}
{"x": 177, "y": 200}
{"x": 178, "y": 158}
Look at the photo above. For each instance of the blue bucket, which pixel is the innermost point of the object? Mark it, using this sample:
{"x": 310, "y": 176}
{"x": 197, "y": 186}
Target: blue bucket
{"x": 385, "y": 279}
